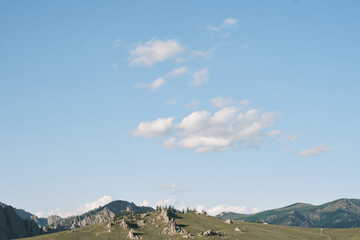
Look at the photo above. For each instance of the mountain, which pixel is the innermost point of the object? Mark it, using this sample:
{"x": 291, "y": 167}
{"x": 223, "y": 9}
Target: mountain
{"x": 13, "y": 226}
{"x": 29, "y": 216}
{"x": 342, "y": 213}
{"x": 171, "y": 224}
{"x": 98, "y": 215}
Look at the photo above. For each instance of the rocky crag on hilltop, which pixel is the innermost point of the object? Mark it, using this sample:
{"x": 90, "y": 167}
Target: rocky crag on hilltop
{"x": 99, "y": 215}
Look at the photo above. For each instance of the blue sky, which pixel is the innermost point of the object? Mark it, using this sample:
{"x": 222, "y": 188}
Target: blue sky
{"x": 236, "y": 106}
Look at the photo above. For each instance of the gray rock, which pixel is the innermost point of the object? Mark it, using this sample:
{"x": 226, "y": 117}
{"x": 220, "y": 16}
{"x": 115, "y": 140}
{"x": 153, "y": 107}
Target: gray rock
{"x": 228, "y": 221}
{"x": 173, "y": 228}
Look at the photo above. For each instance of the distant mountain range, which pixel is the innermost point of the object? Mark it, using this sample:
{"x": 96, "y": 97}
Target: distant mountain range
{"x": 342, "y": 213}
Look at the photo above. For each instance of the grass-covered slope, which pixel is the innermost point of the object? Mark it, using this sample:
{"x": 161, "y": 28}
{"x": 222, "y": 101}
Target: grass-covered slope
{"x": 342, "y": 213}
{"x": 156, "y": 225}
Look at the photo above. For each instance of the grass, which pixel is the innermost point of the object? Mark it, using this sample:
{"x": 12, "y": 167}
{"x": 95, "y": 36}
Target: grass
{"x": 195, "y": 224}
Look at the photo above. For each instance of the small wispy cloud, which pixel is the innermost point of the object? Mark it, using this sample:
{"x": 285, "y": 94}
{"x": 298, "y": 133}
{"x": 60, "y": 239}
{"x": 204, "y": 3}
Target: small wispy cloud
{"x": 161, "y": 126}
{"x": 173, "y": 101}
{"x": 171, "y": 186}
{"x": 114, "y": 65}
{"x": 227, "y": 23}
{"x": 221, "y": 102}
{"x": 166, "y": 202}
{"x": 155, "y": 85}
{"x": 155, "y": 51}
{"x": 200, "y": 77}
{"x": 316, "y": 150}
{"x": 244, "y": 45}
{"x": 117, "y": 43}
{"x": 192, "y": 104}
{"x": 230, "y": 23}
{"x": 177, "y": 72}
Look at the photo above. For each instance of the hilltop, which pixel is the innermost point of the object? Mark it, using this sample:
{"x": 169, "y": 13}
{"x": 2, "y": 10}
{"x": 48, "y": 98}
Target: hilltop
{"x": 98, "y": 215}
{"x": 342, "y": 213}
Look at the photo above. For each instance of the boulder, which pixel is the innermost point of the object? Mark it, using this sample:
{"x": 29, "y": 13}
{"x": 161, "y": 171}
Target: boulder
{"x": 237, "y": 229}
{"x": 209, "y": 233}
{"x": 228, "y": 221}
{"x": 132, "y": 235}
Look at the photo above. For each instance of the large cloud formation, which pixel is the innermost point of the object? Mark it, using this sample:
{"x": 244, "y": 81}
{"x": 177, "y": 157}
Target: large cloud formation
{"x": 228, "y": 128}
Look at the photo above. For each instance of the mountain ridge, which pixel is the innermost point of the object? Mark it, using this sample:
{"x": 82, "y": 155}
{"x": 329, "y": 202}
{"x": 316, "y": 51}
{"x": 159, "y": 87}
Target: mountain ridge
{"x": 42, "y": 222}
{"x": 341, "y": 213}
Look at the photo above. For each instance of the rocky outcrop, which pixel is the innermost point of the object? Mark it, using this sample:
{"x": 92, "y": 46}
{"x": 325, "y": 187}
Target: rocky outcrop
{"x": 209, "y": 233}
{"x": 173, "y": 229}
{"x": 164, "y": 216}
{"x": 132, "y": 235}
{"x": 13, "y": 226}
{"x": 100, "y": 215}
{"x": 228, "y": 221}
{"x": 123, "y": 224}
{"x": 237, "y": 229}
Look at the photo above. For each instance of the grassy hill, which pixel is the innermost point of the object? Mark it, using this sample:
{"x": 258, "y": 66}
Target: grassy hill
{"x": 342, "y": 213}
{"x": 151, "y": 226}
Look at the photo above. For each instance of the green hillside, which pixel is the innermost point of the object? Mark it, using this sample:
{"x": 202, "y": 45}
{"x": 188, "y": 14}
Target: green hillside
{"x": 173, "y": 225}
{"x": 342, "y": 213}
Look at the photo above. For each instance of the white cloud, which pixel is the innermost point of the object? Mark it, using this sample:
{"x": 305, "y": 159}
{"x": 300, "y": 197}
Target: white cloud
{"x": 228, "y": 128}
{"x": 114, "y": 65}
{"x": 161, "y": 126}
{"x": 316, "y": 150}
{"x": 200, "y": 77}
{"x": 193, "y": 104}
{"x": 198, "y": 54}
{"x": 256, "y": 210}
{"x": 245, "y": 102}
{"x": 155, "y": 85}
{"x": 230, "y": 22}
{"x": 145, "y": 204}
{"x": 117, "y": 43}
{"x": 227, "y": 23}
{"x": 167, "y": 202}
{"x": 224, "y": 130}
{"x": 79, "y": 210}
{"x": 171, "y": 186}
{"x": 173, "y": 101}
{"x": 222, "y": 208}
{"x": 221, "y": 102}
{"x": 155, "y": 51}
{"x": 212, "y": 28}
{"x": 177, "y": 72}
{"x": 244, "y": 45}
